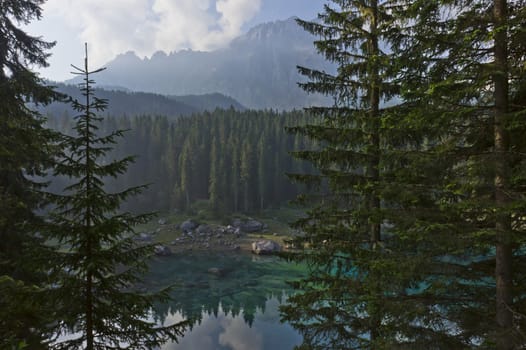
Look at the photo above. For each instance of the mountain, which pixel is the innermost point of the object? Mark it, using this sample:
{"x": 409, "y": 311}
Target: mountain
{"x": 258, "y": 69}
{"x": 141, "y": 103}
{"x": 209, "y": 102}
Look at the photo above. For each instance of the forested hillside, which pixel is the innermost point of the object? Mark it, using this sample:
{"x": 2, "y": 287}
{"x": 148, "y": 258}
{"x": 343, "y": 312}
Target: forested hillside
{"x": 232, "y": 160}
{"x": 139, "y": 103}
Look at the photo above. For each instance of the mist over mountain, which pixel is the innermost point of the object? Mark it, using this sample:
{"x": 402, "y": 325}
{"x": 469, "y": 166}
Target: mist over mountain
{"x": 131, "y": 103}
{"x": 258, "y": 69}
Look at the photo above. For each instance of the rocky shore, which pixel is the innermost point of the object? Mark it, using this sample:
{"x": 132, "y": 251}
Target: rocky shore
{"x": 241, "y": 235}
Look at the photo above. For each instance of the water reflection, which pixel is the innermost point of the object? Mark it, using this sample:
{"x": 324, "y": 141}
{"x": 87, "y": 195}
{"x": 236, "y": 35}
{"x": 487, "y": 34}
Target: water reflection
{"x": 226, "y": 331}
{"x": 232, "y": 298}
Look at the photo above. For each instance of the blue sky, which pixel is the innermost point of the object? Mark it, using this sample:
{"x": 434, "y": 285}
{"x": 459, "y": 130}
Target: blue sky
{"x": 145, "y": 26}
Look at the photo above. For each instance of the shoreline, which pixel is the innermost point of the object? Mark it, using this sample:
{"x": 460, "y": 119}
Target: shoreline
{"x": 171, "y": 239}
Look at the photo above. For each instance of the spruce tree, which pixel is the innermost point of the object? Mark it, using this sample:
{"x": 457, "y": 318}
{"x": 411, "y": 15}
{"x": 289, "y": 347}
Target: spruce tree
{"x": 25, "y": 151}
{"x": 450, "y": 181}
{"x": 99, "y": 262}
{"x": 356, "y": 294}
{"x": 466, "y": 86}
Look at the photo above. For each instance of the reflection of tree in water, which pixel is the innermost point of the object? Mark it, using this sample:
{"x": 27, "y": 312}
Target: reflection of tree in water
{"x": 241, "y": 284}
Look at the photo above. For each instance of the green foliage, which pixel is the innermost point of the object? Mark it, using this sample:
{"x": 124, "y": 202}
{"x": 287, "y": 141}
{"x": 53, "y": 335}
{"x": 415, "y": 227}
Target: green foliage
{"x": 25, "y": 151}
{"x": 466, "y": 87}
{"x": 359, "y": 275}
{"x": 21, "y": 305}
{"x": 438, "y": 171}
{"x": 234, "y": 159}
{"x": 99, "y": 263}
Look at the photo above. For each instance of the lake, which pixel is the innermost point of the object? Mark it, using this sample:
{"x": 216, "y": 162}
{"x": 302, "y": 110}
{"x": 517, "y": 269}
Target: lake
{"x": 233, "y": 299}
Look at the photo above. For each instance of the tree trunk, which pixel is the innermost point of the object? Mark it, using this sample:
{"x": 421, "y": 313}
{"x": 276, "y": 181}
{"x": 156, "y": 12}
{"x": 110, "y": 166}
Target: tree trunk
{"x": 89, "y": 275}
{"x": 373, "y": 171}
{"x": 375, "y": 120}
{"x": 503, "y": 272}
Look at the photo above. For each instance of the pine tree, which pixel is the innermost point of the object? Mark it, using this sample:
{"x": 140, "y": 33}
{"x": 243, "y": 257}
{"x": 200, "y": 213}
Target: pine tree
{"x": 25, "y": 151}
{"x": 246, "y": 175}
{"x": 263, "y": 167}
{"x": 98, "y": 261}
{"x": 446, "y": 271}
{"x": 465, "y": 86}
{"x": 214, "y": 187}
{"x": 343, "y": 303}
{"x": 186, "y": 166}
{"x": 365, "y": 251}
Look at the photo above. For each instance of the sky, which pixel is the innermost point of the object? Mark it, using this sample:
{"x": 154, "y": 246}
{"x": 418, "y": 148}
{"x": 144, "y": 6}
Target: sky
{"x": 111, "y": 27}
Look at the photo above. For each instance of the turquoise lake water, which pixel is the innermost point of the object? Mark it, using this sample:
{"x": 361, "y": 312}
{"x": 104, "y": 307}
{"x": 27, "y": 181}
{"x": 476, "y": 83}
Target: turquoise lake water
{"x": 233, "y": 307}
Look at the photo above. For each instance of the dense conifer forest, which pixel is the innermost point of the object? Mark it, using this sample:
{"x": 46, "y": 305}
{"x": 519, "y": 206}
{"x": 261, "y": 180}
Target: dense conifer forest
{"x": 235, "y": 161}
{"x": 413, "y": 186}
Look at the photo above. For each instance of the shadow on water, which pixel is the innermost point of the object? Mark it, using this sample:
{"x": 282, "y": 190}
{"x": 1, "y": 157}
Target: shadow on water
{"x": 233, "y": 299}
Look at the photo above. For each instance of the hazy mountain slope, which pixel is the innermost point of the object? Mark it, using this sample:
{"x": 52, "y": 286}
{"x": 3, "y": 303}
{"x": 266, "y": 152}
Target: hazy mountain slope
{"x": 141, "y": 103}
{"x": 209, "y": 102}
{"x": 258, "y": 69}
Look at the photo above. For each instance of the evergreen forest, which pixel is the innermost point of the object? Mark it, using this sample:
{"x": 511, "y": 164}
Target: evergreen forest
{"x": 411, "y": 183}
{"x": 233, "y": 161}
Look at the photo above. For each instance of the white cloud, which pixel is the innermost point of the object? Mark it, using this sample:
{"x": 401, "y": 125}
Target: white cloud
{"x": 237, "y": 335}
{"x": 145, "y": 26}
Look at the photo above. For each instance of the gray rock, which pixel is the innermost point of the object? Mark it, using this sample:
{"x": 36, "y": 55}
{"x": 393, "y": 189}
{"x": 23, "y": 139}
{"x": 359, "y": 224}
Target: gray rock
{"x": 161, "y": 221}
{"x": 188, "y": 225}
{"x": 237, "y": 223}
{"x": 265, "y": 246}
{"x": 162, "y": 250}
{"x": 203, "y": 229}
{"x": 251, "y": 225}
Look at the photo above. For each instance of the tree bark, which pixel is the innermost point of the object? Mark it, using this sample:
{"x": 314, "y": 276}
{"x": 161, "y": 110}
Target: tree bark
{"x": 374, "y": 167}
{"x": 89, "y": 275}
{"x": 504, "y": 252}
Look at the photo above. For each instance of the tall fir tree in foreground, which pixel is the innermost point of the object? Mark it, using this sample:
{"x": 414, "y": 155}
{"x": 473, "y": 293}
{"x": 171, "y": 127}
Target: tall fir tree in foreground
{"x": 450, "y": 183}
{"x": 25, "y": 151}
{"x": 362, "y": 267}
{"x": 468, "y": 86}
{"x": 99, "y": 262}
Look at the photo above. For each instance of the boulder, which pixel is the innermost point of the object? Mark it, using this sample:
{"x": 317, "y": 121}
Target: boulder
{"x": 161, "y": 221}
{"x": 251, "y": 225}
{"x": 265, "y": 246}
{"x": 188, "y": 225}
{"x": 162, "y": 250}
{"x": 203, "y": 229}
